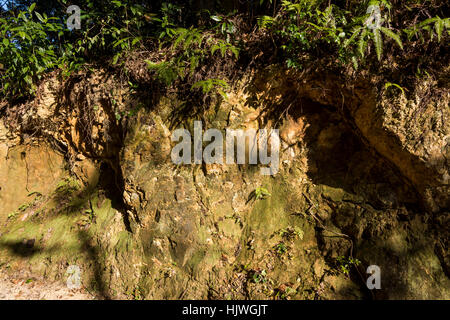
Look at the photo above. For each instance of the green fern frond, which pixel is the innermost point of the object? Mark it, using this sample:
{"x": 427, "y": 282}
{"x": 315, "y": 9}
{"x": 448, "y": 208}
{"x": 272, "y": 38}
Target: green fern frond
{"x": 188, "y": 37}
{"x": 426, "y": 22}
{"x": 447, "y": 23}
{"x": 208, "y": 85}
{"x": 362, "y": 43}
{"x": 181, "y": 36}
{"x": 387, "y": 85}
{"x": 355, "y": 62}
{"x": 378, "y": 43}
{"x": 235, "y": 51}
{"x": 439, "y": 26}
{"x": 394, "y": 36}
{"x": 352, "y": 38}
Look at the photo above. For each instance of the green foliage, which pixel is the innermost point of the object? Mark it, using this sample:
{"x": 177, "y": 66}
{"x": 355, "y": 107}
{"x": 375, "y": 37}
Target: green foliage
{"x": 303, "y": 26}
{"x": 191, "y": 47}
{"x": 212, "y": 84}
{"x": 367, "y": 32}
{"x": 265, "y": 22}
{"x": 166, "y": 71}
{"x": 167, "y": 20}
{"x": 375, "y": 34}
{"x": 290, "y": 233}
{"x": 435, "y": 27}
{"x": 281, "y": 248}
{"x": 390, "y": 84}
{"x": 318, "y": 26}
{"x": 187, "y": 38}
{"x": 115, "y": 33}
{"x": 224, "y": 47}
{"x": 225, "y": 25}
{"x": 345, "y": 263}
{"x": 259, "y": 193}
{"x": 285, "y": 294}
{"x": 26, "y": 52}
{"x": 12, "y": 215}
{"x": 259, "y": 276}
{"x": 34, "y": 43}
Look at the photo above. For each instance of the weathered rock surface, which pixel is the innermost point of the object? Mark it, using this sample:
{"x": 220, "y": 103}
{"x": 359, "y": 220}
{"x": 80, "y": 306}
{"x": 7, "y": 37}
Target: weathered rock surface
{"x": 412, "y": 134}
{"x": 361, "y": 176}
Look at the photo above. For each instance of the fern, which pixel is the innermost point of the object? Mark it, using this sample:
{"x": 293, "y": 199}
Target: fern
{"x": 391, "y": 84}
{"x": 427, "y": 25}
{"x": 394, "y": 36}
{"x": 439, "y": 26}
{"x": 189, "y": 37}
{"x": 377, "y": 39}
{"x": 353, "y": 37}
{"x": 212, "y": 84}
{"x": 166, "y": 71}
{"x": 362, "y": 43}
{"x": 355, "y": 62}
{"x": 378, "y": 42}
{"x": 224, "y": 46}
{"x": 193, "y": 46}
{"x": 265, "y": 22}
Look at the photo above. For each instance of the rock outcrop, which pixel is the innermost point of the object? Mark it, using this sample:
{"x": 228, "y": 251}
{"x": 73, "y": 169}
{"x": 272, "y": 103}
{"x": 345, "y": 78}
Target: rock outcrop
{"x": 363, "y": 175}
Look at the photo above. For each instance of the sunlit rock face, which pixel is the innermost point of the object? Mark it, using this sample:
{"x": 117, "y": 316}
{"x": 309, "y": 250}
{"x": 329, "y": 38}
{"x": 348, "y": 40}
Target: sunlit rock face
{"x": 357, "y": 179}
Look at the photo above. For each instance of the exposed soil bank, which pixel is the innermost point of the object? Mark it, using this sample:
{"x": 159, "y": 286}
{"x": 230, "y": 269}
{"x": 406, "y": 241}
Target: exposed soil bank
{"x": 363, "y": 175}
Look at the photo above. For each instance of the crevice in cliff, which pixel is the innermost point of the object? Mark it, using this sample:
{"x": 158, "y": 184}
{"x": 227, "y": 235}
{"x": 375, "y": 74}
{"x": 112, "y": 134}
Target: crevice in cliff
{"x": 112, "y": 186}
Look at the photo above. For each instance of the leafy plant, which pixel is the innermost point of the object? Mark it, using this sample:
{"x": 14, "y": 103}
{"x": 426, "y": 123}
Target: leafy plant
{"x": 365, "y": 34}
{"x": 371, "y": 31}
{"x": 224, "y": 47}
{"x": 169, "y": 12}
{"x": 281, "y": 248}
{"x": 12, "y": 215}
{"x": 166, "y": 71}
{"x": 434, "y": 26}
{"x": 316, "y": 27}
{"x": 345, "y": 263}
{"x": 225, "y": 25}
{"x": 284, "y": 292}
{"x": 33, "y": 43}
{"x": 290, "y": 233}
{"x": 117, "y": 32}
{"x": 212, "y": 84}
{"x": 26, "y": 51}
{"x": 259, "y": 193}
{"x": 259, "y": 276}
{"x": 193, "y": 47}
{"x": 387, "y": 85}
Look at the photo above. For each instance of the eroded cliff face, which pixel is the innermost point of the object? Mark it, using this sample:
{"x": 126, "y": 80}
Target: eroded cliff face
{"x": 87, "y": 179}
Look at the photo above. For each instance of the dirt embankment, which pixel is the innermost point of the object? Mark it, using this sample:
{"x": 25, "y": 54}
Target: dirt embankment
{"x": 87, "y": 180}
{"x": 17, "y": 288}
